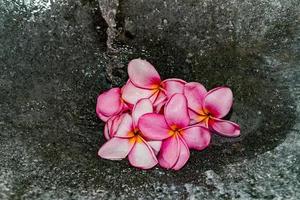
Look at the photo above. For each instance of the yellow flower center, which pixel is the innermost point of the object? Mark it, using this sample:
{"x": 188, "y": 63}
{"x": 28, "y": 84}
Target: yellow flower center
{"x": 174, "y": 131}
{"x": 135, "y": 136}
{"x": 203, "y": 116}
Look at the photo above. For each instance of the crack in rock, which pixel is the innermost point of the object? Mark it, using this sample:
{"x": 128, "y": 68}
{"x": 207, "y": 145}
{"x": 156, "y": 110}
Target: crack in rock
{"x": 114, "y": 70}
{"x": 109, "y": 11}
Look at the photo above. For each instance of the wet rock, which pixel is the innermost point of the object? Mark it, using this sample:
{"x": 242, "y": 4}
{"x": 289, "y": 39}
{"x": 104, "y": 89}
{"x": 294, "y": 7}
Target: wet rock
{"x": 55, "y": 59}
{"x": 201, "y": 26}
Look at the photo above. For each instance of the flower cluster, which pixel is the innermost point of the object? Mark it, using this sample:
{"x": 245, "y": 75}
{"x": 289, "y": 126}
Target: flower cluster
{"x": 152, "y": 121}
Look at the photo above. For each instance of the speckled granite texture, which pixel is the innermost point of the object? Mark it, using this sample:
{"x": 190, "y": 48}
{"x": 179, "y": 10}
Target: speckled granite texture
{"x": 57, "y": 55}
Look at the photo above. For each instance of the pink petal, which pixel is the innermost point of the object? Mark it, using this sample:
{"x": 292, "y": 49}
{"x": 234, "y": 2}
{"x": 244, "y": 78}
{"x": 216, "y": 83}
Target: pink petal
{"x": 153, "y": 126}
{"x": 155, "y": 145}
{"x": 184, "y": 154}
{"x": 194, "y": 117}
{"x": 101, "y": 116}
{"x": 158, "y": 108}
{"x": 107, "y": 127}
{"x": 196, "y": 137}
{"x": 195, "y": 93}
{"x": 131, "y": 94}
{"x": 125, "y": 129}
{"x": 173, "y": 86}
{"x": 160, "y": 101}
{"x": 115, "y": 149}
{"x": 111, "y": 126}
{"x": 169, "y": 152}
{"x": 109, "y": 103}
{"x": 224, "y": 127}
{"x": 115, "y": 124}
{"x": 154, "y": 96}
{"x": 176, "y": 111}
{"x": 143, "y": 74}
{"x": 218, "y": 101}
{"x": 158, "y": 96}
{"x": 142, "y": 107}
{"x": 142, "y": 155}
{"x": 126, "y": 107}
{"x": 129, "y": 106}
{"x": 105, "y": 132}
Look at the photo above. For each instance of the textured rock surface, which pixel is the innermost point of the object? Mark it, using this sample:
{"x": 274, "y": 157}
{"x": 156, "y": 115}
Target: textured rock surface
{"x": 54, "y": 60}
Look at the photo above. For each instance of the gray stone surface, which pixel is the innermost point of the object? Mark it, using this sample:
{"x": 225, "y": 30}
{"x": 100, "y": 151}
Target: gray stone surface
{"x": 55, "y": 57}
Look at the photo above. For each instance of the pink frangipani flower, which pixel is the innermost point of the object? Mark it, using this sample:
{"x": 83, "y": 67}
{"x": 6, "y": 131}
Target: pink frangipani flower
{"x": 208, "y": 108}
{"x": 145, "y": 82}
{"x": 172, "y": 128}
{"x": 110, "y": 103}
{"x": 152, "y": 121}
{"x": 128, "y": 140}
